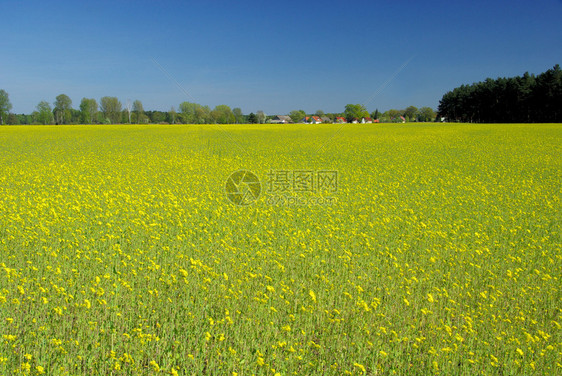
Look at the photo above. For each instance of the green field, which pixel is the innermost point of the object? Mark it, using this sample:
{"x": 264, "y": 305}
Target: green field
{"x": 440, "y": 252}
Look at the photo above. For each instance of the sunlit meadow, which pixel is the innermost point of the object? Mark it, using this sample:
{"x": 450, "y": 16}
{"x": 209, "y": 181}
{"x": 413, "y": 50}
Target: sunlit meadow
{"x": 120, "y": 253}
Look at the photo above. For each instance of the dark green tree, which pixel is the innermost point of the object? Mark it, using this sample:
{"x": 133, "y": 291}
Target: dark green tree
{"x": 516, "y": 99}
{"x": 75, "y": 116}
{"x": 154, "y": 117}
{"x": 124, "y": 117}
{"x": 252, "y": 118}
{"x": 12, "y": 119}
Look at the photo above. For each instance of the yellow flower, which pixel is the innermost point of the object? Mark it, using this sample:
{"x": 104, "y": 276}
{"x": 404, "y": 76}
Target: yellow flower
{"x": 155, "y": 366}
{"x": 25, "y": 367}
{"x": 361, "y": 367}
{"x": 312, "y": 295}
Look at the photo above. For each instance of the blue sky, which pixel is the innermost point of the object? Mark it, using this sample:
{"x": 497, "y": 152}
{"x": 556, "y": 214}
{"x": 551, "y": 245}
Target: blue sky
{"x": 270, "y": 56}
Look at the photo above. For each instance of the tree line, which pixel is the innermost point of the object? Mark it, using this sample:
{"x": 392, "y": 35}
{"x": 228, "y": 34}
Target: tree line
{"x": 526, "y": 99}
{"x": 109, "y": 110}
{"x": 521, "y": 99}
{"x": 358, "y": 111}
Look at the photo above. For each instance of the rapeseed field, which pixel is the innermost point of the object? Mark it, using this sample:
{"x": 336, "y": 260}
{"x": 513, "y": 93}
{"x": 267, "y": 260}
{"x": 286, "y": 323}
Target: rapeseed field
{"x": 434, "y": 249}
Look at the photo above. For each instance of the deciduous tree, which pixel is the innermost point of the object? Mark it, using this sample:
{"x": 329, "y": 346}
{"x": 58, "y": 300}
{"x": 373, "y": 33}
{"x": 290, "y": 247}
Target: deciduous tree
{"x": 355, "y": 111}
{"x": 44, "y": 114}
{"x": 203, "y": 115}
{"x": 193, "y": 113}
{"x": 238, "y": 116}
{"x": 138, "y": 109}
{"x": 5, "y": 105}
{"x": 88, "y": 110}
{"x": 261, "y": 116}
{"x": 392, "y": 115}
{"x": 297, "y": 115}
{"x": 222, "y": 114}
{"x": 172, "y": 115}
{"x": 63, "y": 104}
{"x": 425, "y": 114}
{"x": 410, "y": 113}
{"x": 111, "y": 109}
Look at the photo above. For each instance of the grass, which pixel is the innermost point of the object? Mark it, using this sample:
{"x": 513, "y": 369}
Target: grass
{"x": 121, "y": 254}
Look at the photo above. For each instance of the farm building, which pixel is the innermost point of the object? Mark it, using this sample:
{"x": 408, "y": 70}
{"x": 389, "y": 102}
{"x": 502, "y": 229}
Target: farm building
{"x": 281, "y": 119}
{"x": 311, "y": 120}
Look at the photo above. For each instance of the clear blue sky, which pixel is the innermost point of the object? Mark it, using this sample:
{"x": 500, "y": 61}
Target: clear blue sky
{"x": 270, "y": 56}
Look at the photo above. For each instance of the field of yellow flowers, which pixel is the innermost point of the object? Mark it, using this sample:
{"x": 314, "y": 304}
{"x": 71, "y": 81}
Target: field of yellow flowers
{"x": 121, "y": 254}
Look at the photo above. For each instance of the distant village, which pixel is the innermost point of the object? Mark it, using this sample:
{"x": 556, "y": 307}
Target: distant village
{"x": 285, "y": 119}
{"x": 354, "y": 113}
